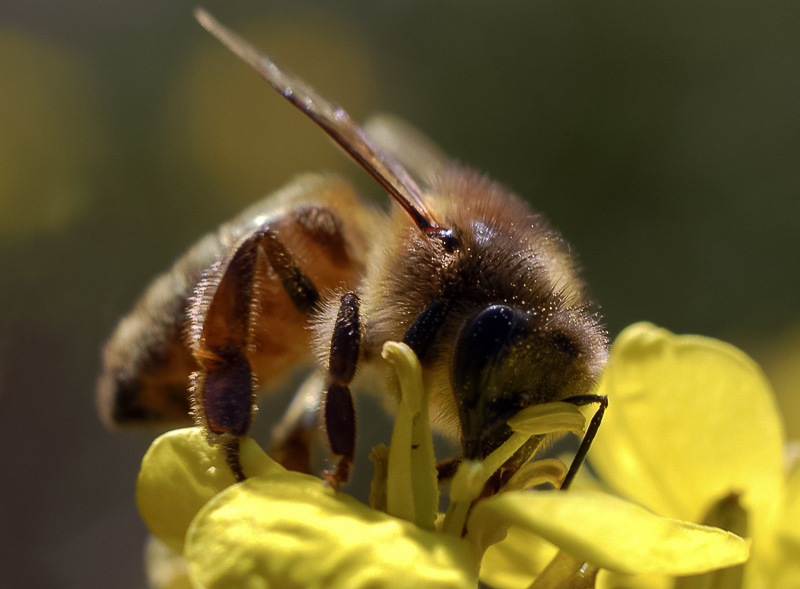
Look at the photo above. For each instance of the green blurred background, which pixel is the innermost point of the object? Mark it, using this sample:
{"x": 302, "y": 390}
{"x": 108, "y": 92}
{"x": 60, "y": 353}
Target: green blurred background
{"x": 663, "y": 140}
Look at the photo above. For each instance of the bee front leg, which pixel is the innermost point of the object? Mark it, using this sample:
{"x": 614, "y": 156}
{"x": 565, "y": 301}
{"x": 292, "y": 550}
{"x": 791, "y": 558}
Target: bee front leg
{"x": 340, "y": 418}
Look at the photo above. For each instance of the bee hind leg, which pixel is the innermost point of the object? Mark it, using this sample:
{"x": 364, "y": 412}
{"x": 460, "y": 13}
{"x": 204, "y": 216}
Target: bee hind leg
{"x": 223, "y": 319}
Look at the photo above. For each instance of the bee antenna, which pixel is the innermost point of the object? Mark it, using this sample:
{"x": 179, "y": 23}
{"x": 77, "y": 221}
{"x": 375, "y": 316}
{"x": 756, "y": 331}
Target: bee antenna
{"x": 339, "y": 126}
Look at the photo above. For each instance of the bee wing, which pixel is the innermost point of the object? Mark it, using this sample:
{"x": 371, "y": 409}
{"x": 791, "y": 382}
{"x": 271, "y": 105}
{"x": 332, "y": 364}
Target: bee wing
{"x": 422, "y": 158}
{"x": 335, "y": 122}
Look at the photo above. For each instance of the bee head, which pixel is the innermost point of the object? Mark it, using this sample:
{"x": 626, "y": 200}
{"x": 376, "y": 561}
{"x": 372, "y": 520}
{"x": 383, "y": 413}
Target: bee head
{"x": 507, "y": 359}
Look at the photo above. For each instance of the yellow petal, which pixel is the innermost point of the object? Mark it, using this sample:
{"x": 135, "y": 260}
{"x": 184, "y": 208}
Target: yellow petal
{"x": 790, "y": 524}
{"x": 567, "y": 572}
{"x": 290, "y": 532}
{"x": 165, "y": 568}
{"x": 787, "y": 570}
{"x": 612, "y": 533}
{"x": 690, "y": 420}
{"x": 180, "y": 473}
{"x": 516, "y": 561}
{"x": 786, "y": 574}
{"x": 609, "y": 580}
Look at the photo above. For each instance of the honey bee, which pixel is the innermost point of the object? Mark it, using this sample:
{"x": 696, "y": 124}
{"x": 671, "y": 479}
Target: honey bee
{"x": 478, "y": 285}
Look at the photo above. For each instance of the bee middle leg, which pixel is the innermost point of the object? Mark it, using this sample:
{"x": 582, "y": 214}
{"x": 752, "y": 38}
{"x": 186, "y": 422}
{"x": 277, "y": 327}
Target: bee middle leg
{"x": 294, "y": 438}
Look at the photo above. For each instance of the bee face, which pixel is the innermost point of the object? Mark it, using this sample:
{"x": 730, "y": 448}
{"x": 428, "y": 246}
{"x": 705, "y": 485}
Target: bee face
{"x": 506, "y": 360}
{"x": 478, "y": 285}
{"x": 500, "y": 323}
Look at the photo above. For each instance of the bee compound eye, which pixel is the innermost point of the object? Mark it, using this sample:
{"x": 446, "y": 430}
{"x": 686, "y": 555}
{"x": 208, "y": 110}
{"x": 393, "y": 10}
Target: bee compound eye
{"x": 483, "y": 342}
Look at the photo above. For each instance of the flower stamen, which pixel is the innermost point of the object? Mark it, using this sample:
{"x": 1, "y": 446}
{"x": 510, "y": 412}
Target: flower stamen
{"x": 471, "y": 477}
{"x": 412, "y": 488}
{"x": 537, "y": 472}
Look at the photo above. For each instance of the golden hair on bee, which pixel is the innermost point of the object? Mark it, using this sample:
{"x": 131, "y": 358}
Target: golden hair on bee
{"x": 462, "y": 270}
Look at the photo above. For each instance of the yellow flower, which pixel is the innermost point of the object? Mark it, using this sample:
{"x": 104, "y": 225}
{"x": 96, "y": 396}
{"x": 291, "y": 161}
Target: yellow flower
{"x": 284, "y": 529}
{"x": 693, "y": 433}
